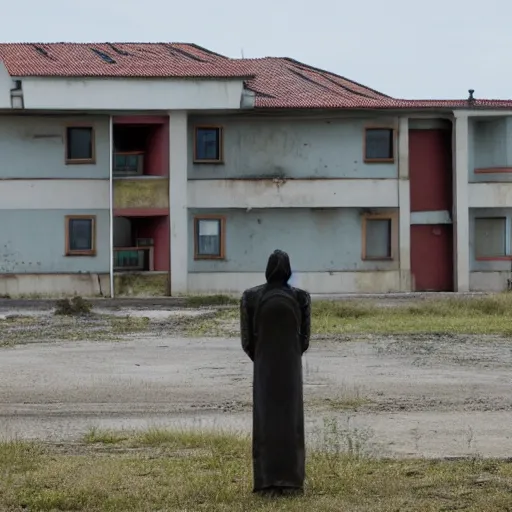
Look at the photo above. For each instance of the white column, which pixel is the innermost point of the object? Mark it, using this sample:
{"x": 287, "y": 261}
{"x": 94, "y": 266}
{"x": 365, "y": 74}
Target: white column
{"x": 178, "y": 160}
{"x": 404, "y": 204}
{"x": 111, "y": 204}
{"x": 461, "y": 211}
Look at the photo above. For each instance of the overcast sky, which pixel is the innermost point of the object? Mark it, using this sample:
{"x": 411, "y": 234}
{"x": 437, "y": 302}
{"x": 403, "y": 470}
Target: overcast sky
{"x": 398, "y": 47}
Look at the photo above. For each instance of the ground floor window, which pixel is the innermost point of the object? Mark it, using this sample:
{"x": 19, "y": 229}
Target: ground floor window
{"x": 80, "y": 235}
{"x": 378, "y": 237}
{"x": 209, "y": 237}
{"x": 491, "y": 238}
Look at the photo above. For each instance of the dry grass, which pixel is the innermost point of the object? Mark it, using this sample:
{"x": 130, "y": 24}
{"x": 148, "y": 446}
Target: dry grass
{"x": 458, "y": 315}
{"x": 180, "y": 471}
{"x": 471, "y": 315}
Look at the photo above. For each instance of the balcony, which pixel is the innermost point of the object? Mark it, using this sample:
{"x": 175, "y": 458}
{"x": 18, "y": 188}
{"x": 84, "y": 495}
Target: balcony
{"x": 138, "y": 259}
{"x": 128, "y": 163}
{"x": 146, "y": 193}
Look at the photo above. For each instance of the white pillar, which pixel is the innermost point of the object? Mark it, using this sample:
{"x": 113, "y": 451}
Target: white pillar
{"x": 178, "y": 160}
{"x": 111, "y": 204}
{"x": 461, "y": 211}
{"x": 404, "y": 204}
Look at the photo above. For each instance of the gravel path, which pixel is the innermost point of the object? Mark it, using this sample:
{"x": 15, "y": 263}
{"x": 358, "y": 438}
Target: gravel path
{"x": 406, "y": 396}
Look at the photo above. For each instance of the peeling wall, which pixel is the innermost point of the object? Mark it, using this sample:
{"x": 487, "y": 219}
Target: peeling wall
{"x": 297, "y": 148}
{"x": 316, "y": 240}
{"x": 33, "y": 242}
{"x": 141, "y": 193}
{"x": 279, "y": 193}
{"x": 34, "y": 147}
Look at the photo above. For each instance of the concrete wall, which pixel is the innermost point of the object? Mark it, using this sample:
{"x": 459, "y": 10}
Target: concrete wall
{"x": 317, "y": 240}
{"x": 54, "y": 285}
{"x": 33, "y": 241}
{"x": 490, "y": 195}
{"x": 6, "y": 84}
{"x": 315, "y": 282}
{"x": 294, "y": 148}
{"x": 34, "y": 147}
{"x": 333, "y": 193}
{"x": 131, "y": 94}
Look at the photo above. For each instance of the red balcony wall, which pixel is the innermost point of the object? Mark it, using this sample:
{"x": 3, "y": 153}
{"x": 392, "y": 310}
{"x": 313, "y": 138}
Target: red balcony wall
{"x": 158, "y": 229}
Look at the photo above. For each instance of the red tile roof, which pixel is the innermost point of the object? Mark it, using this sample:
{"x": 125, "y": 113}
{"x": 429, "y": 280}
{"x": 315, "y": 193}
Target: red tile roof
{"x": 277, "y": 82}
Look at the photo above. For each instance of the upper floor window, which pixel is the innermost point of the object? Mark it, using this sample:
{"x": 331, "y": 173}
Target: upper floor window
{"x": 378, "y": 237}
{"x": 379, "y": 145}
{"x": 79, "y": 145}
{"x": 209, "y": 237}
{"x": 80, "y": 235}
{"x": 208, "y": 144}
{"x": 491, "y": 238}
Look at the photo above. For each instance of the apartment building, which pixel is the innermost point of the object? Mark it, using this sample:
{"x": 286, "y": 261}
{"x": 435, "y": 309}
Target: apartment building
{"x": 157, "y": 169}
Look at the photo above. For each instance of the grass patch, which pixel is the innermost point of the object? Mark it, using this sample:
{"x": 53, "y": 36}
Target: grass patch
{"x": 490, "y": 314}
{"x": 213, "y": 472}
{"x": 468, "y": 315}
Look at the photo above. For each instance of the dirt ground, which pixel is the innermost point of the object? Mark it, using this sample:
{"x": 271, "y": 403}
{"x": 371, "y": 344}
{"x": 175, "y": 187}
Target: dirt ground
{"x": 432, "y": 396}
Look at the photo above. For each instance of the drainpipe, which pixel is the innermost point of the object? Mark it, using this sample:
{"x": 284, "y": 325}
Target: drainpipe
{"x": 111, "y": 203}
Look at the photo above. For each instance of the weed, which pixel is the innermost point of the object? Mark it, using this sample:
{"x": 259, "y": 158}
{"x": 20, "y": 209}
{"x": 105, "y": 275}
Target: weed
{"x": 76, "y": 306}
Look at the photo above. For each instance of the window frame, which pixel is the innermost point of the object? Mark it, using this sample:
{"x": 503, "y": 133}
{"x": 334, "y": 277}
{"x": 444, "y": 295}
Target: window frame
{"x": 222, "y": 223}
{"x": 220, "y": 160}
{"x": 78, "y": 161}
{"x": 71, "y": 252}
{"x": 508, "y": 234}
{"x": 391, "y": 160}
{"x": 393, "y": 218}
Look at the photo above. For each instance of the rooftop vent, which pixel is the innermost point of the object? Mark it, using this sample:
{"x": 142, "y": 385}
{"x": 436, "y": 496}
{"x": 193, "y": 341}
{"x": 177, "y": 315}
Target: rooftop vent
{"x": 471, "y": 98}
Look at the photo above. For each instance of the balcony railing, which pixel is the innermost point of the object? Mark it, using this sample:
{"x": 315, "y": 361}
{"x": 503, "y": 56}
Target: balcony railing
{"x": 128, "y": 163}
{"x": 133, "y": 258}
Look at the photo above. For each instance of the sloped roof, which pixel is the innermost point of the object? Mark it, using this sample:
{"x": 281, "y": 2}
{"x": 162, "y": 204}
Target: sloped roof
{"x": 277, "y": 82}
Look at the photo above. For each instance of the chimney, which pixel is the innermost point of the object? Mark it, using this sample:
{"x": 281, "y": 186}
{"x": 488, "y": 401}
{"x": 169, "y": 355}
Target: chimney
{"x": 471, "y": 98}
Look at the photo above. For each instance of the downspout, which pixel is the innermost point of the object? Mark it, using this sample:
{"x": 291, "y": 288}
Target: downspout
{"x": 111, "y": 203}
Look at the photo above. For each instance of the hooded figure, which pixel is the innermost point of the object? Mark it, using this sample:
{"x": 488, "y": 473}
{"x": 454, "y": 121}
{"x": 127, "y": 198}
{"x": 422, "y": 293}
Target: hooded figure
{"x": 275, "y": 330}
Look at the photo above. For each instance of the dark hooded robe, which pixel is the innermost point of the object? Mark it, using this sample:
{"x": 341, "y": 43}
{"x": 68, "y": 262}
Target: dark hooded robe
{"x": 275, "y": 330}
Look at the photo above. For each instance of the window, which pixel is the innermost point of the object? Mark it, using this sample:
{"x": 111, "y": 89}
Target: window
{"x": 490, "y": 237}
{"x": 79, "y": 145}
{"x": 379, "y": 145}
{"x": 378, "y": 237}
{"x": 209, "y": 235}
{"x": 80, "y": 235}
{"x": 208, "y": 144}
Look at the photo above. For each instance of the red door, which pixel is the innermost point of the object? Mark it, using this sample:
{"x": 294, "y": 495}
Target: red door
{"x": 432, "y": 257}
{"x": 430, "y": 170}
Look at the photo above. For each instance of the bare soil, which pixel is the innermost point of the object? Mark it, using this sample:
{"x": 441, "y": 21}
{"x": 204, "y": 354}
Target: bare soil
{"x": 432, "y": 396}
